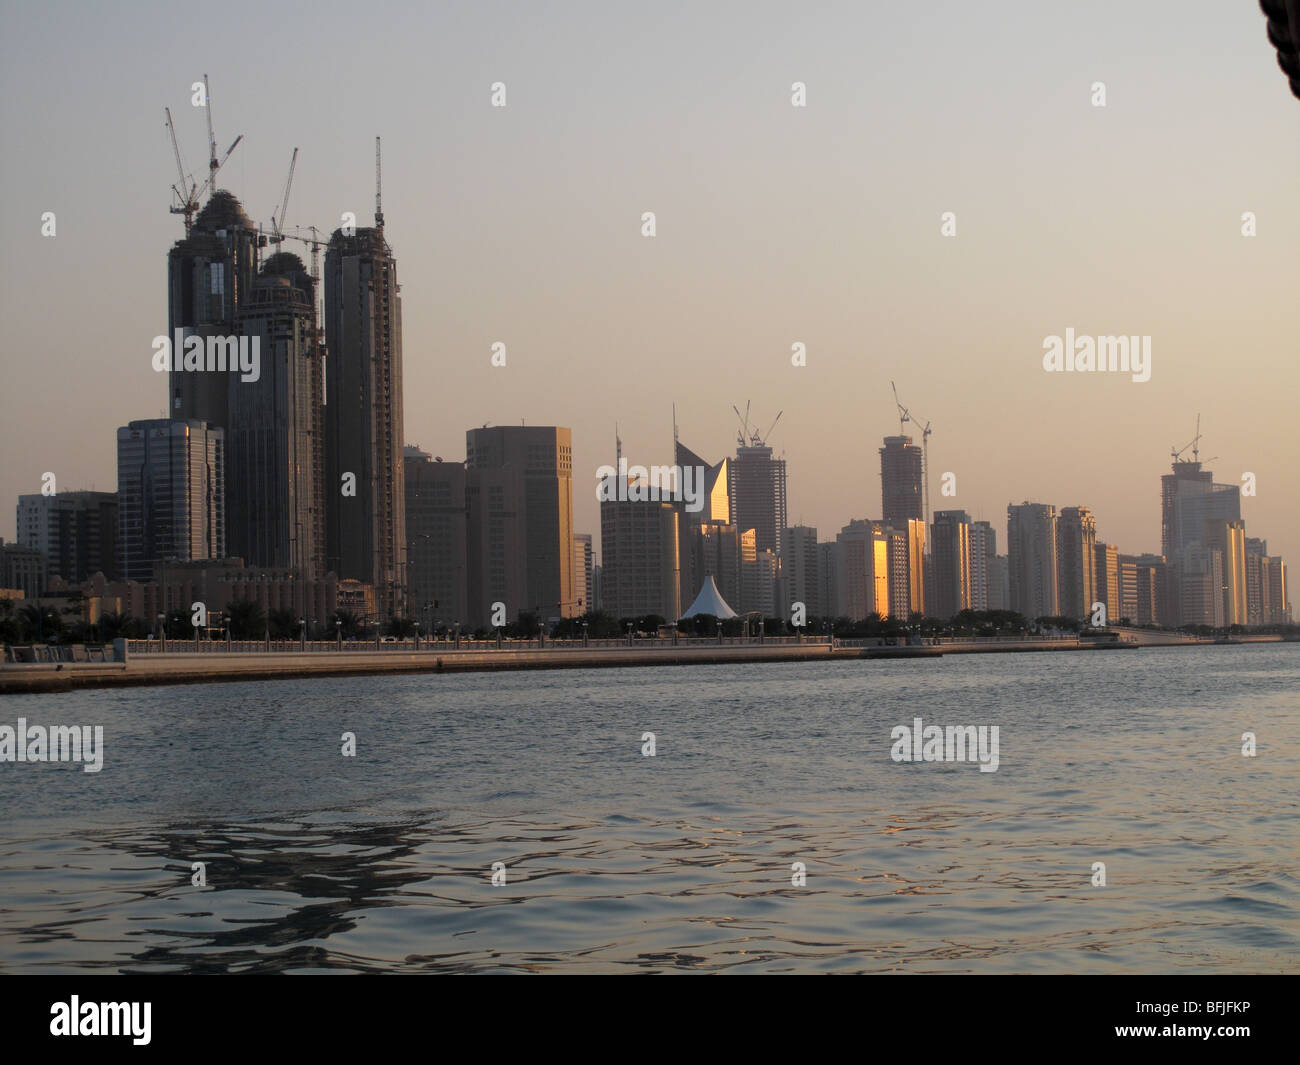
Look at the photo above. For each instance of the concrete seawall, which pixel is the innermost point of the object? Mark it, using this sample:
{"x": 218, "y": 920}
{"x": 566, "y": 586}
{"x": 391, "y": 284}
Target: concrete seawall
{"x": 176, "y": 667}
{"x": 181, "y": 668}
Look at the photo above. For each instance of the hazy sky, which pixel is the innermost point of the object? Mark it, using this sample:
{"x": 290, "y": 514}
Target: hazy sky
{"x": 776, "y": 224}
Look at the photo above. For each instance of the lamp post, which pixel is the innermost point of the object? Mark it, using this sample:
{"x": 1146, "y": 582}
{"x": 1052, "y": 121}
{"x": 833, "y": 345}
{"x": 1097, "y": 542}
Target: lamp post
{"x": 162, "y": 630}
{"x": 302, "y": 633}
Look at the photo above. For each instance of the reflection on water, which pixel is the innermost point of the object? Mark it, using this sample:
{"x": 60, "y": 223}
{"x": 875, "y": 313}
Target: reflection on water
{"x": 681, "y": 862}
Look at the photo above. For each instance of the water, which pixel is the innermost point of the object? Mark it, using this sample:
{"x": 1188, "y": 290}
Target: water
{"x": 682, "y": 861}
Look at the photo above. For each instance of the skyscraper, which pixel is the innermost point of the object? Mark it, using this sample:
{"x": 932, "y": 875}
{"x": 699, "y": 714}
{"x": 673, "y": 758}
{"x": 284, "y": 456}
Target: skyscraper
{"x": 275, "y": 468}
{"x": 1076, "y": 543}
{"x": 1106, "y": 567}
{"x": 639, "y": 559}
{"x": 862, "y": 556}
{"x": 495, "y": 545}
{"x": 757, "y": 491}
{"x": 171, "y": 494}
{"x": 901, "y": 494}
{"x": 583, "y": 559}
{"x": 983, "y": 552}
{"x": 716, "y": 511}
{"x": 75, "y": 531}
{"x": 950, "y": 548}
{"x": 436, "y": 532}
{"x": 800, "y": 571}
{"x": 365, "y": 532}
{"x": 542, "y": 459}
{"x": 1031, "y": 559}
{"x": 1228, "y": 537}
{"x": 209, "y": 275}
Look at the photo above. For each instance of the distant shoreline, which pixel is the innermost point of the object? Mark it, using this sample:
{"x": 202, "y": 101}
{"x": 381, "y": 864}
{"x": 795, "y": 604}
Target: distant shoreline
{"x": 227, "y": 667}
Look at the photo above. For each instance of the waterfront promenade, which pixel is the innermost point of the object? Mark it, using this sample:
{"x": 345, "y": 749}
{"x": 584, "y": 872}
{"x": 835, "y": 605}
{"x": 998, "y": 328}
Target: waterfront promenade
{"x": 141, "y": 662}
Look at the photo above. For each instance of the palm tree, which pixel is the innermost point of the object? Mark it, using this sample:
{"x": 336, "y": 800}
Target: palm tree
{"x": 246, "y": 619}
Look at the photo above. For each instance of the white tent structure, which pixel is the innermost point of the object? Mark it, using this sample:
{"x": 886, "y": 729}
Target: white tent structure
{"x": 710, "y": 601}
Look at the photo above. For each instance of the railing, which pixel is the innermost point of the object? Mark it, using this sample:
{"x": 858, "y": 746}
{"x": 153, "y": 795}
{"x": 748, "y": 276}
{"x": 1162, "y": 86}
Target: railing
{"x": 444, "y": 645}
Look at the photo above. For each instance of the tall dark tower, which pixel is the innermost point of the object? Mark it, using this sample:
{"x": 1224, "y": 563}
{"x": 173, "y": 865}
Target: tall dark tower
{"x": 365, "y": 533}
{"x": 901, "y": 472}
{"x": 209, "y": 274}
{"x": 757, "y": 491}
{"x": 275, "y": 437}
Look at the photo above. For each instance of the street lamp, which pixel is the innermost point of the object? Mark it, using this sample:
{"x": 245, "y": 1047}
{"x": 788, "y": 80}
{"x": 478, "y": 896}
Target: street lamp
{"x": 162, "y": 630}
{"x": 338, "y": 632}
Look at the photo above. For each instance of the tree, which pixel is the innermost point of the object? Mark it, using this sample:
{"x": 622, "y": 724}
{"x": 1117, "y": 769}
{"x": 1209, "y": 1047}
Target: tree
{"x": 401, "y": 627}
{"x": 246, "y": 619}
{"x": 351, "y": 626}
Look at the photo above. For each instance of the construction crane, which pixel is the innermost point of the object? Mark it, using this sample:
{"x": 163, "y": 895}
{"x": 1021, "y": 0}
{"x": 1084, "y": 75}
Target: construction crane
{"x": 186, "y": 190}
{"x": 905, "y": 416}
{"x": 752, "y": 437}
{"x": 277, "y": 223}
{"x": 744, "y": 423}
{"x": 1194, "y": 444}
{"x": 379, "y": 190}
{"x": 188, "y": 194}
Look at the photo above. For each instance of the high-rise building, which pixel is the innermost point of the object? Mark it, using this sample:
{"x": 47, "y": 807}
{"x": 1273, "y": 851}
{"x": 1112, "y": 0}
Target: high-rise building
{"x": 639, "y": 559}
{"x": 757, "y": 492}
{"x": 495, "y": 546}
{"x": 1128, "y": 588}
{"x": 1106, "y": 565}
{"x": 75, "y": 531}
{"x": 828, "y": 582}
{"x": 1256, "y": 586}
{"x": 1228, "y": 537}
{"x": 999, "y": 583}
{"x": 715, "y": 552}
{"x": 863, "y": 565}
{"x": 950, "y": 549}
{"x": 1279, "y": 605}
{"x": 1199, "y": 574}
{"x": 1187, "y": 477}
{"x": 1198, "y": 505}
{"x": 800, "y": 572}
{"x": 983, "y": 551}
{"x": 542, "y": 457}
{"x": 716, "y": 510}
{"x": 209, "y": 276}
{"x": 171, "y": 494}
{"x": 901, "y": 492}
{"x": 437, "y": 524}
{"x": 275, "y": 454}
{"x": 759, "y": 583}
{"x": 1031, "y": 559}
{"x": 917, "y": 558}
{"x": 22, "y": 569}
{"x": 365, "y": 513}
{"x": 1076, "y": 577}
{"x": 1152, "y": 590}
{"x": 583, "y": 559}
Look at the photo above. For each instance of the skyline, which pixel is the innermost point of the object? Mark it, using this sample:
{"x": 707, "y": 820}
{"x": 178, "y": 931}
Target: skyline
{"x": 776, "y": 225}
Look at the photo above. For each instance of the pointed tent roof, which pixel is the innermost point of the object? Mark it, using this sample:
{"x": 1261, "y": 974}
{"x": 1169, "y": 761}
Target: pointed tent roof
{"x": 710, "y": 601}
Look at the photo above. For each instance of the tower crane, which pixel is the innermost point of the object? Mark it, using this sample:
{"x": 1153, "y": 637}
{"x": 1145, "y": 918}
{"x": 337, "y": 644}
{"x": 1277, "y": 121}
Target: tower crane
{"x": 188, "y": 194}
{"x": 277, "y": 223}
{"x": 1194, "y": 444}
{"x": 379, "y": 190}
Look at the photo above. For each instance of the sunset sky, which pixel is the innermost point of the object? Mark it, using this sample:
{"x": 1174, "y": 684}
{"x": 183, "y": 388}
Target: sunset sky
{"x": 776, "y": 225}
